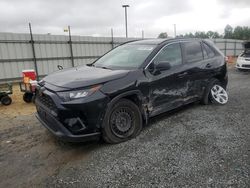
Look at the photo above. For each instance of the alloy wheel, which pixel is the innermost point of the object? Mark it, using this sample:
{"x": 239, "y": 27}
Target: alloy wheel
{"x": 219, "y": 94}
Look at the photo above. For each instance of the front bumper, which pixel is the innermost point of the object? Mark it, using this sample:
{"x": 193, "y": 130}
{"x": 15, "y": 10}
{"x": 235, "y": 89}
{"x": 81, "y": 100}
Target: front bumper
{"x": 74, "y": 121}
{"x": 57, "y": 129}
{"x": 243, "y": 64}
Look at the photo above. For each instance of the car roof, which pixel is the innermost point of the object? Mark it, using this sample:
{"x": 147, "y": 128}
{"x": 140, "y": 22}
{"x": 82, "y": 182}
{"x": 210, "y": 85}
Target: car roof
{"x": 160, "y": 41}
{"x": 149, "y": 41}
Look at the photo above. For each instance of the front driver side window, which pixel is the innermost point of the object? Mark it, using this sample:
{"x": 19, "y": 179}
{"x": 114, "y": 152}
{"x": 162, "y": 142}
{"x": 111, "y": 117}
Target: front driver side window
{"x": 170, "y": 54}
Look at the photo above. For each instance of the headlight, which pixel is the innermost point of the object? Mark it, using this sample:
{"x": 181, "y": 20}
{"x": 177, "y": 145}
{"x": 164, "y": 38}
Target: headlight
{"x": 76, "y": 94}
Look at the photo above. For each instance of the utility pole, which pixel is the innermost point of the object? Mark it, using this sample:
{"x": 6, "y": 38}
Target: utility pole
{"x": 71, "y": 48}
{"x": 112, "y": 38}
{"x": 33, "y": 51}
{"x": 174, "y": 30}
{"x": 126, "y": 19}
{"x": 142, "y": 34}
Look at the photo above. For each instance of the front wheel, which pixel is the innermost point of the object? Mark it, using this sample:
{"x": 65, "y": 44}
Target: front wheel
{"x": 122, "y": 122}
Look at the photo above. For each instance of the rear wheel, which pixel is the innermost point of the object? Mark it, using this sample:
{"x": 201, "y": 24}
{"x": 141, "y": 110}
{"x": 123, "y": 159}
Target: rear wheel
{"x": 6, "y": 100}
{"x": 218, "y": 94}
{"x": 215, "y": 93}
{"x": 122, "y": 122}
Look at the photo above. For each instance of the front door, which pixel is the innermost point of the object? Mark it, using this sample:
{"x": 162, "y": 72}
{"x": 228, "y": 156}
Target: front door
{"x": 168, "y": 87}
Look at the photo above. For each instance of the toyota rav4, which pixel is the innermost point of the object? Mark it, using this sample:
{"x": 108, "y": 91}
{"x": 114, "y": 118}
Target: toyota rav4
{"x": 116, "y": 95}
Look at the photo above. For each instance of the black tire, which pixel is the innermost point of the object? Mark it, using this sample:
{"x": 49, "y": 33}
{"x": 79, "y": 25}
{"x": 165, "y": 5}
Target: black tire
{"x": 27, "y": 97}
{"x": 122, "y": 122}
{"x": 207, "y": 97}
{"x": 6, "y": 100}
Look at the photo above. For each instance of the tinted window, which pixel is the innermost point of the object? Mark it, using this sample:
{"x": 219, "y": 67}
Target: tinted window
{"x": 246, "y": 53}
{"x": 192, "y": 51}
{"x": 170, "y": 54}
{"x": 209, "y": 51}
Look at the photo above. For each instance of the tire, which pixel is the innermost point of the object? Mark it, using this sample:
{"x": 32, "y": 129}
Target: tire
{"x": 27, "y": 97}
{"x": 218, "y": 95}
{"x": 6, "y": 100}
{"x": 215, "y": 93}
{"x": 122, "y": 122}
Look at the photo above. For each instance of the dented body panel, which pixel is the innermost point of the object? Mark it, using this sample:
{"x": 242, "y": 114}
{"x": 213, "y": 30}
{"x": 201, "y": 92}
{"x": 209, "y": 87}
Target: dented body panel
{"x": 154, "y": 93}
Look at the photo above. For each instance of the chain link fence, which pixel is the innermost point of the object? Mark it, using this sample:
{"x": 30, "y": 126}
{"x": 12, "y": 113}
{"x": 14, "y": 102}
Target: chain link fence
{"x": 45, "y": 52}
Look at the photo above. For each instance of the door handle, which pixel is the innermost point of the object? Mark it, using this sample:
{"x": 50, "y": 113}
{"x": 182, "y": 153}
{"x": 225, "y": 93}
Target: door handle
{"x": 208, "y": 65}
{"x": 181, "y": 75}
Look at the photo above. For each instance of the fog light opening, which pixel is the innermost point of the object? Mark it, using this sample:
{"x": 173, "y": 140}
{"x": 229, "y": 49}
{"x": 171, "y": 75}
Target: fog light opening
{"x": 75, "y": 124}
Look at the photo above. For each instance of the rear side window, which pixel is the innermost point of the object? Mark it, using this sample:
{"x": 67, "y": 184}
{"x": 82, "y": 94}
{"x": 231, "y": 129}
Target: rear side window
{"x": 208, "y": 51}
{"x": 192, "y": 52}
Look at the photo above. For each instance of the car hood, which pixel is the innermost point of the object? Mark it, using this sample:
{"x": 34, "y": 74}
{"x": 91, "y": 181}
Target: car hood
{"x": 83, "y": 76}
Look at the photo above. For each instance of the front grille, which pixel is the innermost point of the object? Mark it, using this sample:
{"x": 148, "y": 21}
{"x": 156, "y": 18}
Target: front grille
{"x": 47, "y": 101}
{"x": 246, "y": 66}
{"x": 247, "y": 59}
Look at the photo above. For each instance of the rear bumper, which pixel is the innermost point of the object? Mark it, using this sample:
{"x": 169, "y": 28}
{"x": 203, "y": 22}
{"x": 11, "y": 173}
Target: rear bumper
{"x": 57, "y": 129}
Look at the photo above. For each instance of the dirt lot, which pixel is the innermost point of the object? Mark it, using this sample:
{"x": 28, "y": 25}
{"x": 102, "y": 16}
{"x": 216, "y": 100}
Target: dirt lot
{"x": 196, "y": 146}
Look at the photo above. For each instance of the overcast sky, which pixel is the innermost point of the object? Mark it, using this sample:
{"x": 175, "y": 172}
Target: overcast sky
{"x": 97, "y": 17}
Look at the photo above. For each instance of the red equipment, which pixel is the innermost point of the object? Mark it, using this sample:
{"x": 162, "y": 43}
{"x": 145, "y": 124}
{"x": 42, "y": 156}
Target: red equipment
{"x": 28, "y": 85}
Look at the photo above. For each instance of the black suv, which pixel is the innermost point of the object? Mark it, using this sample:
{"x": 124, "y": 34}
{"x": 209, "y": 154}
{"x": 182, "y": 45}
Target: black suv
{"x": 114, "y": 96}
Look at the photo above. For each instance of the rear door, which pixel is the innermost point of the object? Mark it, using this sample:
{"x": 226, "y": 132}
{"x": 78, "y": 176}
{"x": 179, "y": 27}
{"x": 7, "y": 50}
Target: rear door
{"x": 194, "y": 65}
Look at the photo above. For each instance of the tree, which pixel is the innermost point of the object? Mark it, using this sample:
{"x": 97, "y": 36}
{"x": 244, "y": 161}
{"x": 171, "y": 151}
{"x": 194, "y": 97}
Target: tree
{"x": 189, "y": 35}
{"x": 228, "y": 32}
{"x": 242, "y": 33}
{"x": 163, "y": 35}
{"x": 200, "y": 34}
{"x": 239, "y": 32}
{"x": 212, "y": 34}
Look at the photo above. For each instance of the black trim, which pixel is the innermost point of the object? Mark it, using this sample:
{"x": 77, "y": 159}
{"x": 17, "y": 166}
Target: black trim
{"x": 62, "y": 133}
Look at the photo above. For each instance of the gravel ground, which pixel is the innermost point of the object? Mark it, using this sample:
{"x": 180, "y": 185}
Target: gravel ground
{"x": 195, "y": 146}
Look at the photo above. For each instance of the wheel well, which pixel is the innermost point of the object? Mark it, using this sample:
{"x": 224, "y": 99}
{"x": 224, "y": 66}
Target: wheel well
{"x": 134, "y": 98}
{"x": 222, "y": 80}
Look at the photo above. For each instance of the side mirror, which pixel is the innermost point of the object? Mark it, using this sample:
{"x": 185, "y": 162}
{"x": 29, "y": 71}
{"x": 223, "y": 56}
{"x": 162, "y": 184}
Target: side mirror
{"x": 162, "y": 66}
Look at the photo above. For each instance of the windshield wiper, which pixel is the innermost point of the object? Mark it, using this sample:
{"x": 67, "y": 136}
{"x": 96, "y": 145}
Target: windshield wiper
{"x": 90, "y": 65}
{"x": 105, "y": 68}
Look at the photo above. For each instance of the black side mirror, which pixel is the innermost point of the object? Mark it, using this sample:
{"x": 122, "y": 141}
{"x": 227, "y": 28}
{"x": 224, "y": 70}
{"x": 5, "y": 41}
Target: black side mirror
{"x": 162, "y": 66}
{"x": 156, "y": 69}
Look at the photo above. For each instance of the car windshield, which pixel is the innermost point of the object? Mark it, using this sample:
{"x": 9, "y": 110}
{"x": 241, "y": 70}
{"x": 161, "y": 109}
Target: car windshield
{"x": 128, "y": 56}
{"x": 246, "y": 53}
